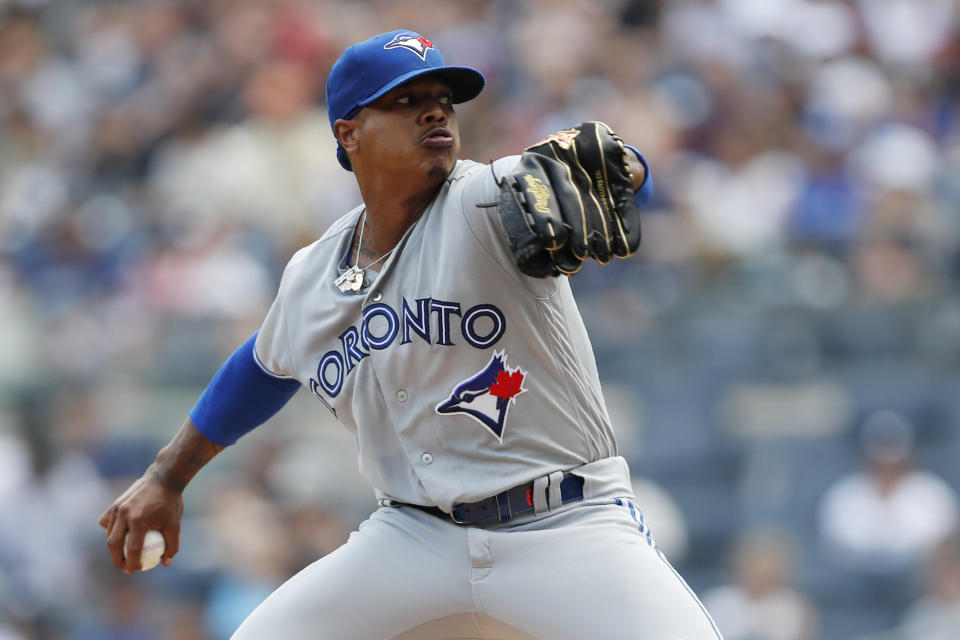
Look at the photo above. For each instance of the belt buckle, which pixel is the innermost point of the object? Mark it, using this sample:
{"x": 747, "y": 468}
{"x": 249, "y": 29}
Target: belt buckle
{"x": 453, "y": 514}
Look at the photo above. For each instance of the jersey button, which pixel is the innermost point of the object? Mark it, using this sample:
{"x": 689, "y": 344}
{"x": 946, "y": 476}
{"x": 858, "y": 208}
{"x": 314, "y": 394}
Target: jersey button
{"x": 427, "y": 458}
{"x": 402, "y": 395}
{"x": 377, "y": 296}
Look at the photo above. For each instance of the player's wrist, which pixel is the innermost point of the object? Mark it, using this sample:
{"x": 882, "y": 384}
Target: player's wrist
{"x": 636, "y": 165}
{"x": 163, "y": 473}
{"x": 182, "y": 458}
{"x": 644, "y": 190}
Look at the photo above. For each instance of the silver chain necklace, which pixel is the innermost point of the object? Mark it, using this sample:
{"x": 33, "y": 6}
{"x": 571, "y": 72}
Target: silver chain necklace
{"x": 352, "y": 278}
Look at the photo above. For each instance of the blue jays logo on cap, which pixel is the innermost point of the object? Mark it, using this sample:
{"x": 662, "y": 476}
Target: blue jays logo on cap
{"x": 412, "y": 42}
{"x": 369, "y": 69}
{"x": 488, "y": 394}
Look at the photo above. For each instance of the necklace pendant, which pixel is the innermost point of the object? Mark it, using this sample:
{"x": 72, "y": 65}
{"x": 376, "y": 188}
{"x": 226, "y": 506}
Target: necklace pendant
{"x": 350, "y": 280}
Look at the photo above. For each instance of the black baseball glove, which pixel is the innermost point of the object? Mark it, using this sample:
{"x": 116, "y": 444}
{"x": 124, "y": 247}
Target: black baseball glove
{"x": 570, "y": 198}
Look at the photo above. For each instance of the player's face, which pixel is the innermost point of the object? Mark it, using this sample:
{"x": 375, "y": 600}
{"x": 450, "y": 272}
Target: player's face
{"x": 413, "y": 127}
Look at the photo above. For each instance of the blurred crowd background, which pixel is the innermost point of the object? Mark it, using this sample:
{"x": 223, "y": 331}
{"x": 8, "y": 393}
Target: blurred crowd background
{"x": 781, "y": 359}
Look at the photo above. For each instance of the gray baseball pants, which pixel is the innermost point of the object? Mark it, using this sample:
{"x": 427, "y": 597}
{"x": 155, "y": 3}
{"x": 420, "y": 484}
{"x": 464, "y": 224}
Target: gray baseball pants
{"x": 588, "y": 570}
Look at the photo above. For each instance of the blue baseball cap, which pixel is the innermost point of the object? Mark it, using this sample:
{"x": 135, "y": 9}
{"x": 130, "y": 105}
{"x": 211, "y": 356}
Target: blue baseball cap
{"x": 369, "y": 69}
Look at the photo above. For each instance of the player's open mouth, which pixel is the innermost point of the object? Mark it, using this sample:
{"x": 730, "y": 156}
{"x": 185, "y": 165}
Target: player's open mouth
{"x": 438, "y": 137}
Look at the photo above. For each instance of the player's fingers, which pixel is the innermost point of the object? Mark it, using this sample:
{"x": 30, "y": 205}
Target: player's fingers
{"x": 106, "y": 517}
{"x": 132, "y": 546}
{"x": 115, "y": 533}
{"x": 171, "y": 541}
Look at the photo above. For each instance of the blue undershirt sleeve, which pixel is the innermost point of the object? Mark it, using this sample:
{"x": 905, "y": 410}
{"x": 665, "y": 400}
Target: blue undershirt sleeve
{"x": 241, "y": 397}
{"x": 645, "y": 192}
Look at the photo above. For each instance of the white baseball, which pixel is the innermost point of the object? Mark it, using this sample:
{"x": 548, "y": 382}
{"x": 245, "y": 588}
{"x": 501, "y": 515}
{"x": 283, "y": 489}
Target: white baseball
{"x": 153, "y": 548}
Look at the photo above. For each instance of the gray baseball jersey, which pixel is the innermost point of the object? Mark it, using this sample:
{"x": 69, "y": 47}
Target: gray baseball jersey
{"x": 462, "y": 378}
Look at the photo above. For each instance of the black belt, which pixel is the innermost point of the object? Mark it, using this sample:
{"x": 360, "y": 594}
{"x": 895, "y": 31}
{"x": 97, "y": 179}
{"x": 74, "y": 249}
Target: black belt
{"x": 502, "y": 506}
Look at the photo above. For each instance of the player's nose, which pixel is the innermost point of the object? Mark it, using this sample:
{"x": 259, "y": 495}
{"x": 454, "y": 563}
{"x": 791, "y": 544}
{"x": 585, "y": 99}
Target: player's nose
{"x": 434, "y": 113}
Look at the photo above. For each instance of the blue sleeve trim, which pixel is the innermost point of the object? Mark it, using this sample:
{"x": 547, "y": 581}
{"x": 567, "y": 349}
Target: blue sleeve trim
{"x": 242, "y": 396}
{"x": 645, "y": 192}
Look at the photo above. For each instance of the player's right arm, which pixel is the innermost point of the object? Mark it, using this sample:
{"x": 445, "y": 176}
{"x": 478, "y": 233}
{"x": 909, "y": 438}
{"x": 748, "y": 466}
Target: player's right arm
{"x": 249, "y": 388}
{"x": 241, "y": 396}
{"x": 155, "y": 500}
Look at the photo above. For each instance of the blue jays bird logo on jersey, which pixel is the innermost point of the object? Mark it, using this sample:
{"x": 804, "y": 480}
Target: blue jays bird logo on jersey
{"x": 487, "y": 395}
{"x": 411, "y": 42}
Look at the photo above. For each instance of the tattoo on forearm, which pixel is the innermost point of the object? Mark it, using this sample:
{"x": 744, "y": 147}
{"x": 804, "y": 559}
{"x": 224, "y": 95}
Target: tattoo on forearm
{"x": 180, "y": 460}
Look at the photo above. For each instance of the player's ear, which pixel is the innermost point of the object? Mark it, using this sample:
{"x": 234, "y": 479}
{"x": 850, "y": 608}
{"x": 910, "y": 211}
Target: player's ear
{"x": 346, "y": 133}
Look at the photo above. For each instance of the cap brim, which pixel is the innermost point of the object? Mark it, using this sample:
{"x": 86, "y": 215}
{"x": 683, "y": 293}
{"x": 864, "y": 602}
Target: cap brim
{"x": 466, "y": 83}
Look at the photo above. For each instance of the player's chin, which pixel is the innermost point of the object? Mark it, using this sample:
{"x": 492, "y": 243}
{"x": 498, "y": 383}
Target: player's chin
{"x": 438, "y": 173}
{"x": 446, "y": 152}
{"x": 440, "y": 166}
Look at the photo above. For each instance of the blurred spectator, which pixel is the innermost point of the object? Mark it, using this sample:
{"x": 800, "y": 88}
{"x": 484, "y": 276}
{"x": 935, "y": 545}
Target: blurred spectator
{"x": 760, "y": 603}
{"x": 886, "y": 518}
{"x": 255, "y": 551}
{"x": 122, "y": 612}
{"x": 45, "y": 525}
{"x": 908, "y": 32}
{"x": 275, "y": 171}
{"x": 664, "y": 517}
{"x": 316, "y": 532}
{"x": 186, "y": 622}
{"x": 936, "y": 615}
{"x": 8, "y": 633}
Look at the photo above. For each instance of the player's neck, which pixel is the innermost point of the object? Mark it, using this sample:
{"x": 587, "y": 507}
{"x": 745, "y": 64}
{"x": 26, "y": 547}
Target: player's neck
{"x": 391, "y": 212}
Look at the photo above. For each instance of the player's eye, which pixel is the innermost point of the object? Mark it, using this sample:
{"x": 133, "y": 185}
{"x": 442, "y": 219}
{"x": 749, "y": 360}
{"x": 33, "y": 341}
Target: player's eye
{"x": 446, "y": 100}
{"x": 403, "y": 100}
